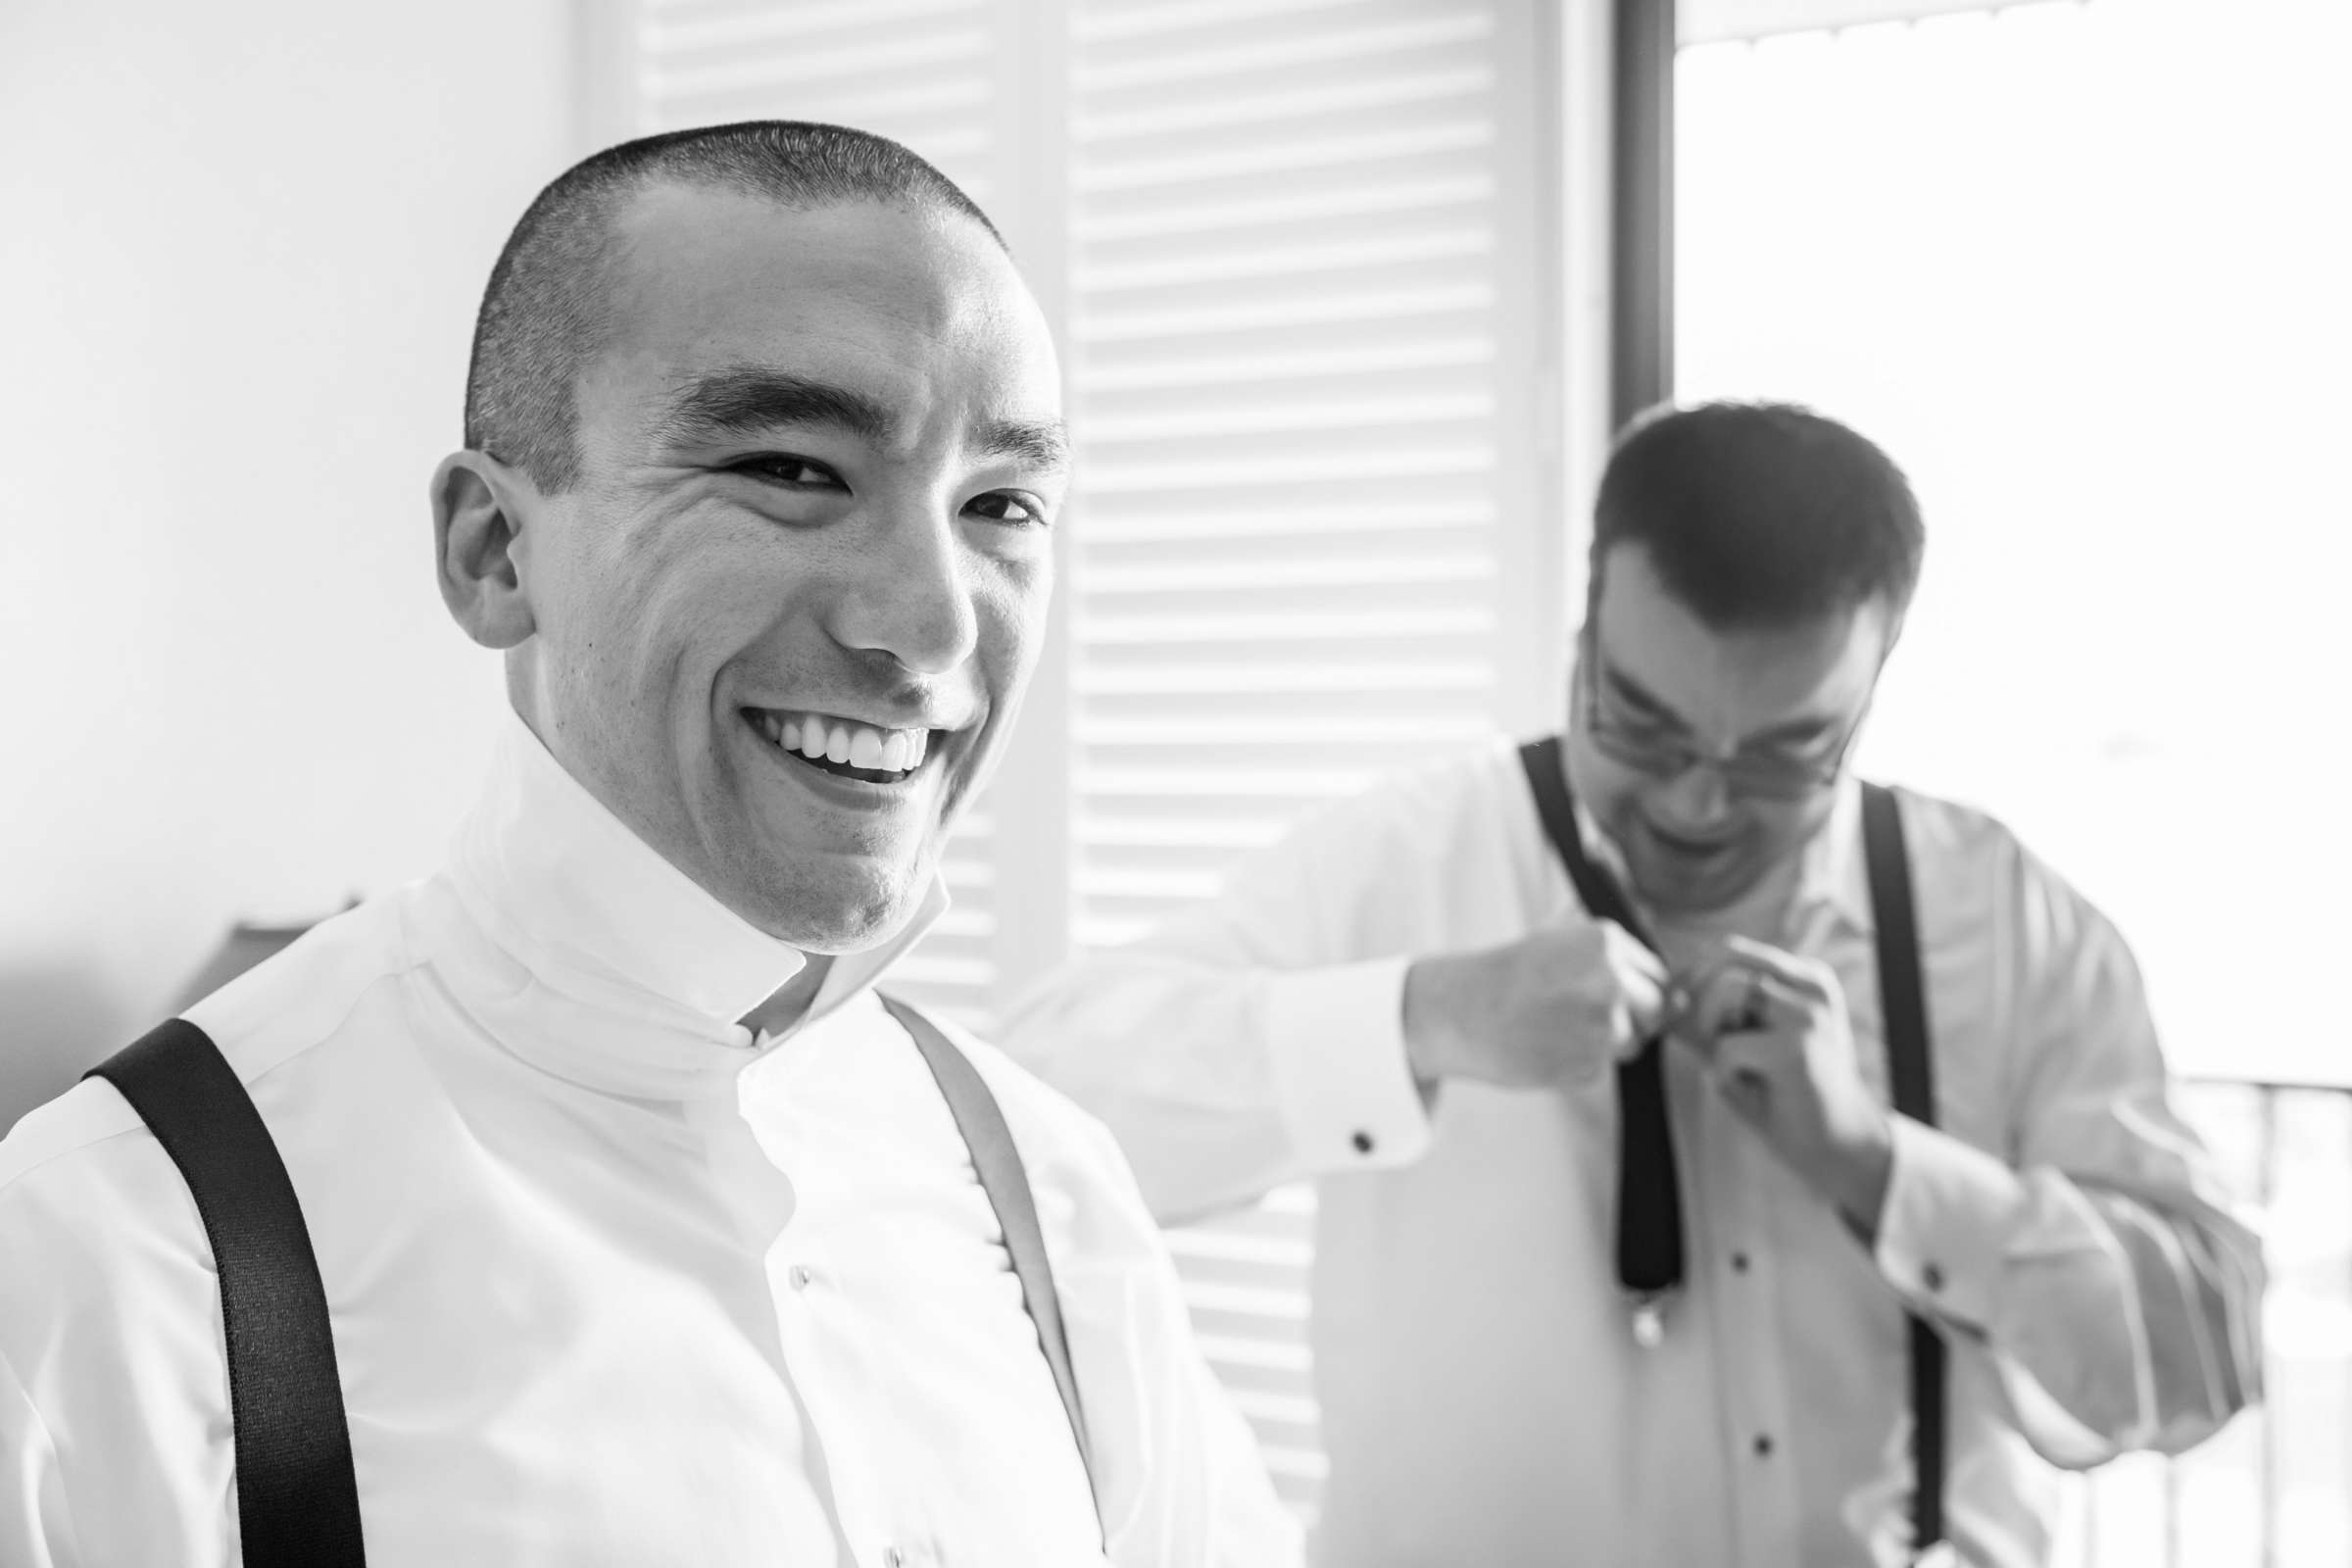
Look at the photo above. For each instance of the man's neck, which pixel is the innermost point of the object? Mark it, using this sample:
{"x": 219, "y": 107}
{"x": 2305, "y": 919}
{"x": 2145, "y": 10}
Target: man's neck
{"x": 1760, "y": 915}
{"x": 792, "y": 1001}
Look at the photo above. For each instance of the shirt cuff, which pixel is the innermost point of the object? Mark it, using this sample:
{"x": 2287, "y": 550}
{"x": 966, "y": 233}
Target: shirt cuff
{"x": 1347, "y": 1091}
{"x": 1942, "y": 1233}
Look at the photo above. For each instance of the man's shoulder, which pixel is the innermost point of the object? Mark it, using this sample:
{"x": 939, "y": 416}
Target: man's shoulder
{"x": 1968, "y": 859}
{"x": 272, "y": 1013}
{"x": 1939, "y": 829}
{"x": 299, "y": 997}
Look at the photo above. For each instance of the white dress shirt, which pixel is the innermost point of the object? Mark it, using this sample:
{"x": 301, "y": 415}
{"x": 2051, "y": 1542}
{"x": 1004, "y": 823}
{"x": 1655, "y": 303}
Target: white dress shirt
{"x": 612, "y": 1283}
{"x": 1483, "y": 1398}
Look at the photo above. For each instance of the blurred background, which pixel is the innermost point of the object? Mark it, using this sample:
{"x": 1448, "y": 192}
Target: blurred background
{"x": 1351, "y": 294}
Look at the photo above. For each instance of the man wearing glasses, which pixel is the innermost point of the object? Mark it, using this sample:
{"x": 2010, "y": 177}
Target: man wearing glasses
{"x": 1683, "y": 1247}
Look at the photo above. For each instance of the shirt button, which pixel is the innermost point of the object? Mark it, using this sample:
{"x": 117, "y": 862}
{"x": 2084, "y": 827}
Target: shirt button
{"x": 1763, "y": 1445}
{"x": 1362, "y": 1143}
{"x": 1932, "y": 1277}
{"x": 1738, "y": 1262}
{"x": 798, "y": 1276}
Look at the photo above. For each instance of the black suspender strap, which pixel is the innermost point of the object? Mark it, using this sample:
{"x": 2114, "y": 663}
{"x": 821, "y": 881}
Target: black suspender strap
{"x": 1903, "y": 998}
{"x": 997, "y": 1160}
{"x": 298, "y": 1501}
{"x": 1650, "y": 1204}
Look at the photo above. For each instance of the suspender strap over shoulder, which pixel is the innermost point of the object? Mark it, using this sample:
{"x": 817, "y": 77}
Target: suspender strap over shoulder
{"x": 1911, "y": 1072}
{"x": 1650, "y": 1203}
{"x": 997, "y": 1160}
{"x": 297, "y": 1499}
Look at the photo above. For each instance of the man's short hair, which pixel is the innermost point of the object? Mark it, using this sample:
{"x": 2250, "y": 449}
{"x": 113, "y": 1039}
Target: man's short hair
{"x": 548, "y": 310}
{"x": 1760, "y": 514}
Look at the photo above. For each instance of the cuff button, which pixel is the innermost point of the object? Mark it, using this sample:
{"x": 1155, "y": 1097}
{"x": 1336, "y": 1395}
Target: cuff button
{"x": 1362, "y": 1143}
{"x": 1932, "y": 1277}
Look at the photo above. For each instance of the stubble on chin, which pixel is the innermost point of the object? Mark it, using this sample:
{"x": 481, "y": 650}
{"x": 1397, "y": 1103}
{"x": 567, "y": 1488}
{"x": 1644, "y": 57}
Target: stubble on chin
{"x": 837, "y": 909}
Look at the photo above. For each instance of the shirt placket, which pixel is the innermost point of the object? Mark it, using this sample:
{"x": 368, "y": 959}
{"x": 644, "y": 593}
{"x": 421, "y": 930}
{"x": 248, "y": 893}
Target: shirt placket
{"x": 1743, "y": 1266}
{"x": 816, "y": 1333}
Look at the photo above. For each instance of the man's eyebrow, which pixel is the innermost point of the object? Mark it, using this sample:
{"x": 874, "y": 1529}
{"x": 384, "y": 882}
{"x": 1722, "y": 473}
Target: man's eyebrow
{"x": 1794, "y": 732}
{"x": 1641, "y": 696}
{"x": 1797, "y": 730}
{"x": 728, "y": 404}
{"x": 1033, "y": 443}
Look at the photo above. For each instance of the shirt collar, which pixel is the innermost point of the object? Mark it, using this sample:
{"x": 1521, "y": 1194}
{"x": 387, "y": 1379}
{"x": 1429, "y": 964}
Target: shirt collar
{"x": 1832, "y": 875}
{"x": 649, "y": 973}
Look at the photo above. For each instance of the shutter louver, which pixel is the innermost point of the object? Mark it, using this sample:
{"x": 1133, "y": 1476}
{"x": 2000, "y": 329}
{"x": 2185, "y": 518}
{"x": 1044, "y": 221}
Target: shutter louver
{"x": 1284, "y": 291}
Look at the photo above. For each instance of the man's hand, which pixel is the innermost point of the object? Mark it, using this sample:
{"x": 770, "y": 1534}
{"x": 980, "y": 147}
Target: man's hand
{"x": 1559, "y": 1005}
{"x": 1773, "y": 1029}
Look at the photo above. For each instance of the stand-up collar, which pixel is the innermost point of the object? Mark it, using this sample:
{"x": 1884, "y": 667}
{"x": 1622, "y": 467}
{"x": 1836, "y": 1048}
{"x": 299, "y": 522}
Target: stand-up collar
{"x": 1833, "y": 875}
{"x": 640, "y": 977}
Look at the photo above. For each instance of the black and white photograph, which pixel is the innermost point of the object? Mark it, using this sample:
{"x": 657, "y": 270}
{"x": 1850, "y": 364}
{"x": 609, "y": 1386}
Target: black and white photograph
{"x": 1175, "y": 784}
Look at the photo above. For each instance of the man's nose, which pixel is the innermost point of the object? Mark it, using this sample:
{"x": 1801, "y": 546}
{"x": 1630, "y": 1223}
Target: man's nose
{"x": 910, "y": 593}
{"x": 1696, "y": 797}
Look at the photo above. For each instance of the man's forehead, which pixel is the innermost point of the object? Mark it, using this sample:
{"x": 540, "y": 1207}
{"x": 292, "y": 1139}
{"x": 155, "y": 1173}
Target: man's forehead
{"x": 1649, "y": 638}
{"x": 719, "y": 291}
{"x": 684, "y": 253}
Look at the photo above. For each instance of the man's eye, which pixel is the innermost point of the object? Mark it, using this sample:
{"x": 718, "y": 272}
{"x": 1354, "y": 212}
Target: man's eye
{"x": 782, "y": 469}
{"x": 1008, "y": 506}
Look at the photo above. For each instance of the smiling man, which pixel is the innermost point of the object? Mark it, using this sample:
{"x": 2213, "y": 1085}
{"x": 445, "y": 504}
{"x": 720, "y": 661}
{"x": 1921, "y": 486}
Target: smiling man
{"x": 1581, "y": 1295}
{"x": 640, "y": 1228}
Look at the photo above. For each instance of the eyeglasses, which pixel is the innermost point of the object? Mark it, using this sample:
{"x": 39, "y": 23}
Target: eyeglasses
{"x": 1663, "y": 752}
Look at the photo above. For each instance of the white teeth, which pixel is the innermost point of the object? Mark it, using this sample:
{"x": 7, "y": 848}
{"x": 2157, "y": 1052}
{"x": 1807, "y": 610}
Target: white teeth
{"x": 863, "y": 746}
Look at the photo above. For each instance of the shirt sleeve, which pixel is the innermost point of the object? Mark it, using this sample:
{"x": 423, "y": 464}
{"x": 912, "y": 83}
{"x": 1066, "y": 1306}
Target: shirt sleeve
{"x": 2104, "y": 1265}
{"x": 1255, "y": 1040}
{"x": 35, "y": 1528}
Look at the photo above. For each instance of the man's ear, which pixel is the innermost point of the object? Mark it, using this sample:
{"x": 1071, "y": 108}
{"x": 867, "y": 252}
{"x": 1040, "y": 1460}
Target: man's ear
{"x": 479, "y": 509}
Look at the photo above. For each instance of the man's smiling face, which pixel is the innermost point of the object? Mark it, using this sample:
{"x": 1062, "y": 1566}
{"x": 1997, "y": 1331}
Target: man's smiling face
{"x": 782, "y": 623}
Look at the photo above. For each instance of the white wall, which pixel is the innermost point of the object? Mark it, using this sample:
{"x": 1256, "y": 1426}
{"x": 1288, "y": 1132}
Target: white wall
{"x": 240, "y": 248}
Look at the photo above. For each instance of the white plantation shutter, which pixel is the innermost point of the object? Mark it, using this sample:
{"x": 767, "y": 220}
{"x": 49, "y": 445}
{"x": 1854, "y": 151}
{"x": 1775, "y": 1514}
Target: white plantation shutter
{"x": 1306, "y": 359}
{"x": 915, "y": 71}
{"x": 1304, "y": 259}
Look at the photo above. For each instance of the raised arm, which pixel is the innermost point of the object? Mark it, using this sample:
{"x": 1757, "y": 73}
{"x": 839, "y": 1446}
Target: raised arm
{"x": 1304, "y": 1022}
{"x": 1253, "y": 1040}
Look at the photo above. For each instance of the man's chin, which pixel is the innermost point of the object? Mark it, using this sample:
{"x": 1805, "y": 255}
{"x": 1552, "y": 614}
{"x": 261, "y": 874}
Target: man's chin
{"x": 1676, "y": 890}
{"x": 829, "y": 917}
